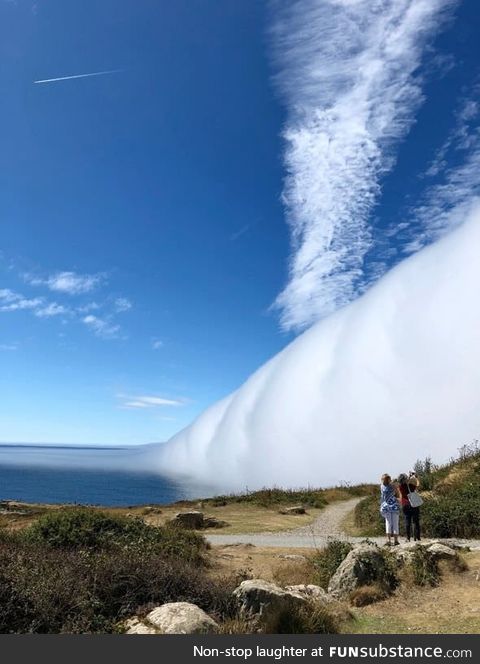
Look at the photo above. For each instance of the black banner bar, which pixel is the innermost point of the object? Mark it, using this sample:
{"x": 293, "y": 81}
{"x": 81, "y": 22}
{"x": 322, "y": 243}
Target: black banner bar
{"x": 210, "y": 649}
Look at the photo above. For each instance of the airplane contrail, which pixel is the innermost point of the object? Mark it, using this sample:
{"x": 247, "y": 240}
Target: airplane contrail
{"x": 67, "y": 78}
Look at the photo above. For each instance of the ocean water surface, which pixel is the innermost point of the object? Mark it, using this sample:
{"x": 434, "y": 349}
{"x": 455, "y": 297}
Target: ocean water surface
{"x": 87, "y": 475}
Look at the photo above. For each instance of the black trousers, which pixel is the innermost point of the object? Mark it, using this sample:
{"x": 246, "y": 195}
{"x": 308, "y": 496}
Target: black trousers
{"x": 412, "y": 514}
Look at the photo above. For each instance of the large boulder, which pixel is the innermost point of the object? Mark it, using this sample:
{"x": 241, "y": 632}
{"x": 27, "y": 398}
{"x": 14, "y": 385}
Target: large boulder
{"x": 363, "y": 566}
{"x": 181, "y": 618}
{"x": 261, "y": 599}
{"x": 192, "y": 520}
{"x": 311, "y": 592}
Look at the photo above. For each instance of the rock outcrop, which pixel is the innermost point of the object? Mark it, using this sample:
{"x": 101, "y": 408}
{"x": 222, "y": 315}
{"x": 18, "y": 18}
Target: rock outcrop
{"x": 259, "y": 598}
{"x": 311, "y": 592}
{"x": 364, "y": 565}
{"x": 193, "y": 520}
{"x": 173, "y": 618}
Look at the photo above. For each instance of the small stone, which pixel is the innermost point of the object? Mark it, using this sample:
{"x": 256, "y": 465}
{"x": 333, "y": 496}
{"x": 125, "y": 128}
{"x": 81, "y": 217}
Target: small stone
{"x": 296, "y": 509}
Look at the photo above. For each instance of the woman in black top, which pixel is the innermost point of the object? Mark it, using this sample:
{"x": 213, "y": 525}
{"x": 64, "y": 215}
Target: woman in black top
{"x": 412, "y": 514}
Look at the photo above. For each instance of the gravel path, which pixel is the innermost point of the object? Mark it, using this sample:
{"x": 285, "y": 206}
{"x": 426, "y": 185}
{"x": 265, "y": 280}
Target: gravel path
{"x": 326, "y": 526}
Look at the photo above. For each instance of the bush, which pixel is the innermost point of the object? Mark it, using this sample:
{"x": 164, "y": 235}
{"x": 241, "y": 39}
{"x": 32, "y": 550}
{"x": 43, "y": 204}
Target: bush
{"x": 47, "y": 589}
{"x": 454, "y": 514}
{"x": 423, "y": 567}
{"x": 365, "y": 595}
{"x": 80, "y": 570}
{"x": 308, "y": 619}
{"x": 275, "y": 496}
{"x": 326, "y": 561}
{"x": 425, "y": 471}
{"x": 89, "y": 529}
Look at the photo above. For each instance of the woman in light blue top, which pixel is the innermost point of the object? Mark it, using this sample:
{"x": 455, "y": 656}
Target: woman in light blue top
{"x": 390, "y": 508}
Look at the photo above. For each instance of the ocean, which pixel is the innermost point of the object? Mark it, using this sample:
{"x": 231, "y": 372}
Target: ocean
{"x": 86, "y": 475}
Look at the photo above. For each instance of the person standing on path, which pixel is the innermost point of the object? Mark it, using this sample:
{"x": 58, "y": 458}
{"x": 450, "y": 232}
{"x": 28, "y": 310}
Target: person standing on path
{"x": 409, "y": 485}
{"x": 390, "y": 508}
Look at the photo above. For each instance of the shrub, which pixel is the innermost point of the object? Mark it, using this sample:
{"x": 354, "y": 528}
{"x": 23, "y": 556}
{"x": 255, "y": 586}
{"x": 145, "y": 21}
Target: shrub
{"x": 89, "y": 529}
{"x": 423, "y": 567}
{"x": 275, "y": 496}
{"x": 48, "y": 589}
{"x": 365, "y": 595}
{"x": 425, "y": 471}
{"x": 326, "y": 561}
{"x": 452, "y": 516}
{"x": 237, "y": 626}
{"x": 308, "y": 619}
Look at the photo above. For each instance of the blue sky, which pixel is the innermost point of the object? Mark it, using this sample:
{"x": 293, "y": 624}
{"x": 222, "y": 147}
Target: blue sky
{"x": 146, "y": 224}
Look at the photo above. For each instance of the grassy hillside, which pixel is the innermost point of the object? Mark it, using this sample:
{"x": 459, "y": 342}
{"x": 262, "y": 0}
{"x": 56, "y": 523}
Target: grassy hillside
{"x": 451, "y": 494}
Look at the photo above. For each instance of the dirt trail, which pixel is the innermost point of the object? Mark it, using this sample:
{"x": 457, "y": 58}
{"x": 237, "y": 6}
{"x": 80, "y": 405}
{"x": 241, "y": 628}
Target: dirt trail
{"x": 327, "y": 526}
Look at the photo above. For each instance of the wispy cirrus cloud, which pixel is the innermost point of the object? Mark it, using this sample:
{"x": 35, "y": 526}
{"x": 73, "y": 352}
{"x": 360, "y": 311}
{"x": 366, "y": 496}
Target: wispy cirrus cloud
{"x": 12, "y": 301}
{"x": 102, "y": 327}
{"x": 39, "y": 306}
{"x": 348, "y": 71}
{"x": 142, "y": 402}
{"x": 8, "y": 347}
{"x": 68, "y": 282}
{"x": 122, "y": 304}
{"x": 51, "y": 309}
{"x": 103, "y": 324}
{"x": 157, "y": 343}
{"x": 455, "y": 171}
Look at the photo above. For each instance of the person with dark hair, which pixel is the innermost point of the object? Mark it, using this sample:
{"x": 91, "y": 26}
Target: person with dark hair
{"x": 407, "y": 485}
{"x": 389, "y": 508}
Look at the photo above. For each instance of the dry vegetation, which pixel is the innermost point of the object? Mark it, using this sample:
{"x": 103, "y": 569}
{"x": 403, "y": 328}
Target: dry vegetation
{"x": 451, "y": 607}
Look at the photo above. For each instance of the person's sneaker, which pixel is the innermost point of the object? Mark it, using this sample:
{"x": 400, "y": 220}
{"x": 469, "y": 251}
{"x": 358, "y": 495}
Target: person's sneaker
{"x": 396, "y": 543}
{"x": 387, "y": 544}
{"x": 407, "y": 539}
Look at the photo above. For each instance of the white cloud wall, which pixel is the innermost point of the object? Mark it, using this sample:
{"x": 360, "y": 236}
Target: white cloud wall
{"x": 389, "y": 378}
